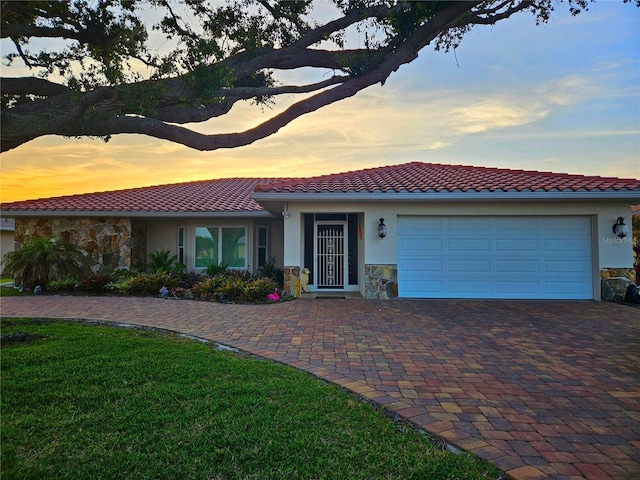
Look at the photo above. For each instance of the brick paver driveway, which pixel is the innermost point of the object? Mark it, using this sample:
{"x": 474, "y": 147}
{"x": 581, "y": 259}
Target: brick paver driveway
{"x": 540, "y": 389}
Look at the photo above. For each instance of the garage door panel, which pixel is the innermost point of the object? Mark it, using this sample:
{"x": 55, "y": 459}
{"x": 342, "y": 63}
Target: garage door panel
{"x": 575, "y": 287}
{"x": 468, "y": 266}
{"x": 469, "y": 287}
{"x": 517, "y": 266}
{"x": 434, "y": 266}
{"x": 469, "y": 244}
{"x": 421, "y": 245}
{"x": 516, "y": 244}
{"x": 416, "y": 224}
{"x": 464, "y": 224}
{"x": 567, "y": 224}
{"x": 495, "y": 257}
{"x": 567, "y": 266}
{"x": 523, "y": 288}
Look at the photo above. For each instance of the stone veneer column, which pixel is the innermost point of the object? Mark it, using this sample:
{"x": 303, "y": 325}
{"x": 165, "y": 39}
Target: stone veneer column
{"x": 614, "y": 283}
{"x": 381, "y": 281}
{"x": 292, "y": 281}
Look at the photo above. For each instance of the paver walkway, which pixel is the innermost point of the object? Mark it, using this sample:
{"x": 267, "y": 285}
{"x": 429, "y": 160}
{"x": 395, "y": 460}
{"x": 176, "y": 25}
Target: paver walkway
{"x": 540, "y": 389}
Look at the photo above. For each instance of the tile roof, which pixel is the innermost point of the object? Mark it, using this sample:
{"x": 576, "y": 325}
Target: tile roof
{"x": 431, "y": 177}
{"x": 234, "y": 194}
{"x": 225, "y": 195}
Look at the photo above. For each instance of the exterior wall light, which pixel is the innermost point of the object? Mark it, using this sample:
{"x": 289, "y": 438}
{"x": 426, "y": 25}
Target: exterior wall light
{"x": 382, "y": 229}
{"x": 286, "y": 213}
{"x": 620, "y": 229}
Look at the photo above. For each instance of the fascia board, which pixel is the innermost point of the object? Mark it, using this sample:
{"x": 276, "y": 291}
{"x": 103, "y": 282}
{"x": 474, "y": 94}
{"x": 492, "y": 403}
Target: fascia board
{"x": 132, "y": 214}
{"x": 486, "y": 196}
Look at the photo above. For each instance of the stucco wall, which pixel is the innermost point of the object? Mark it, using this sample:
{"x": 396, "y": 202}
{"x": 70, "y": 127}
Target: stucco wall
{"x": 7, "y": 242}
{"x": 608, "y": 250}
{"x": 163, "y": 235}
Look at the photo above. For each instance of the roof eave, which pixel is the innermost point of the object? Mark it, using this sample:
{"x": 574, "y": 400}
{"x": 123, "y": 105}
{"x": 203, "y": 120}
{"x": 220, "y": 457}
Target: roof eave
{"x": 135, "y": 214}
{"x": 469, "y": 196}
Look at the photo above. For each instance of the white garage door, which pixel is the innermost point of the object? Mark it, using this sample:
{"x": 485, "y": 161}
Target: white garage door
{"x": 495, "y": 257}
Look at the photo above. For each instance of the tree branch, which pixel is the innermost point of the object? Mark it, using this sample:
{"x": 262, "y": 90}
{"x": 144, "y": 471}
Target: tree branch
{"x": 31, "y": 86}
{"x": 15, "y": 31}
{"x": 405, "y": 53}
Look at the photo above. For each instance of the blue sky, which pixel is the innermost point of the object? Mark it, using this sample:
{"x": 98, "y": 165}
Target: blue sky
{"x": 562, "y": 97}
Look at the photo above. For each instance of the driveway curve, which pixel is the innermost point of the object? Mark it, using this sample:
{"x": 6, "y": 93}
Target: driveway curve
{"x": 540, "y": 389}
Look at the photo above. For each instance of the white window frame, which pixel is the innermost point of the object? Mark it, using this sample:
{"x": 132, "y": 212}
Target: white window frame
{"x": 220, "y": 228}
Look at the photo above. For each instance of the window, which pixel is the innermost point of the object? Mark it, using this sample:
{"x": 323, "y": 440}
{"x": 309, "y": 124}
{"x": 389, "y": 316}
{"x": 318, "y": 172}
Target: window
{"x": 221, "y": 245}
{"x": 262, "y": 246}
{"x": 181, "y": 245}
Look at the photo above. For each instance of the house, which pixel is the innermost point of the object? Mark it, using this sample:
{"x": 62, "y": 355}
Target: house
{"x": 414, "y": 230}
{"x": 6, "y": 236}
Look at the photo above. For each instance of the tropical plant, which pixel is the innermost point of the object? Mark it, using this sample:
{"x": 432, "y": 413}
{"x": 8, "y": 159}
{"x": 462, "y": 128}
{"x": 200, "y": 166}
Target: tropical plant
{"x": 233, "y": 289}
{"x": 208, "y": 288}
{"x": 271, "y": 270}
{"x": 62, "y": 286}
{"x": 214, "y": 269}
{"x": 95, "y": 283}
{"x": 256, "y": 290}
{"x": 163, "y": 261}
{"x": 40, "y": 260}
{"x": 151, "y": 283}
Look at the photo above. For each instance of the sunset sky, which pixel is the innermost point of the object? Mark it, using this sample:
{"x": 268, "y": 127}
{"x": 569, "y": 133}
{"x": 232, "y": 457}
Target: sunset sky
{"x": 562, "y": 97}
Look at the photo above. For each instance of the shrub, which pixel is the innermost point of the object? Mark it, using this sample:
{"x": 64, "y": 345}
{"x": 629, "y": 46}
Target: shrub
{"x": 142, "y": 284}
{"x": 189, "y": 279}
{"x": 180, "y": 292}
{"x": 62, "y": 286}
{"x": 163, "y": 261}
{"x": 217, "y": 269}
{"x": 232, "y": 289}
{"x": 95, "y": 283}
{"x": 257, "y": 289}
{"x": 208, "y": 289}
{"x": 151, "y": 283}
{"x": 121, "y": 286}
{"x": 43, "y": 259}
{"x": 271, "y": 270}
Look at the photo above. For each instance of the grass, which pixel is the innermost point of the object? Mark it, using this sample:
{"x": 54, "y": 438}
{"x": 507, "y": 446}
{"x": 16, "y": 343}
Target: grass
{"x": 97, "y": 402}
{"x": 9, "y": 292}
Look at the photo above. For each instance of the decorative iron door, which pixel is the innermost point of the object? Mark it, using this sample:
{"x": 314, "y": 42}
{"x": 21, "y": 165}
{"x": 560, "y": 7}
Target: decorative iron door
{"x": 330, "y": 256}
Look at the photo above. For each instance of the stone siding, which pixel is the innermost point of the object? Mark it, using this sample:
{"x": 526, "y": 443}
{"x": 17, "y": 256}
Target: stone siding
{"x": 292, "y": 281}
{"x": 381, "y": 281}
{"x": 108, "y": 242}
{"x": 614, "y": 283}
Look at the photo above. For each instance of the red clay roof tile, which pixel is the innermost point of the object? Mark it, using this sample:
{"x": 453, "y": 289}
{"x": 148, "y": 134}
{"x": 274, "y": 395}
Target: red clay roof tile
{"x": 225, "y": 195}
{"x": 234, "y": 194}
{"x": 430, "y": 177}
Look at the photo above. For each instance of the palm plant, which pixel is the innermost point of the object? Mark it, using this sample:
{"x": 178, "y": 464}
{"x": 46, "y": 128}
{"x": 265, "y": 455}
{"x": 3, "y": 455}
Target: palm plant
{"x": 43, "y": 259}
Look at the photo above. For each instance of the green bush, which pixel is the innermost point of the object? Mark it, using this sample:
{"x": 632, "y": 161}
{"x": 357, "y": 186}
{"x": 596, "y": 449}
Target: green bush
{"x": 63, "y": 286}
{"x": 163, "y": 261}
{"x": 189, "y": 279}
{"x": 121, "y": 286}
{"x": 95, "y": 283}
{"x": 214, "y": 269}
{"x": 40, "y": 260}
{"x": 271, "y": 270}
{"x": 208, "y": 289}
{"x": 233, "y": 289}
{"x": 142, "y": 284}
{"x": 257, "y": 289}
{"x": 151, "y": 283}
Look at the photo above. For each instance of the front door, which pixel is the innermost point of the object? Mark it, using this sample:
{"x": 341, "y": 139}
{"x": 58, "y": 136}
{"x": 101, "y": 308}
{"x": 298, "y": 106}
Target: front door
{"x": 331, "y": 256}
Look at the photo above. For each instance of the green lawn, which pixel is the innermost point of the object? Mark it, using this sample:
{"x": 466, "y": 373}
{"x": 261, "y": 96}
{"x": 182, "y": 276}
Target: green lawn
{"x": 95, "y": 402}
{"x": 9, "y": 292}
